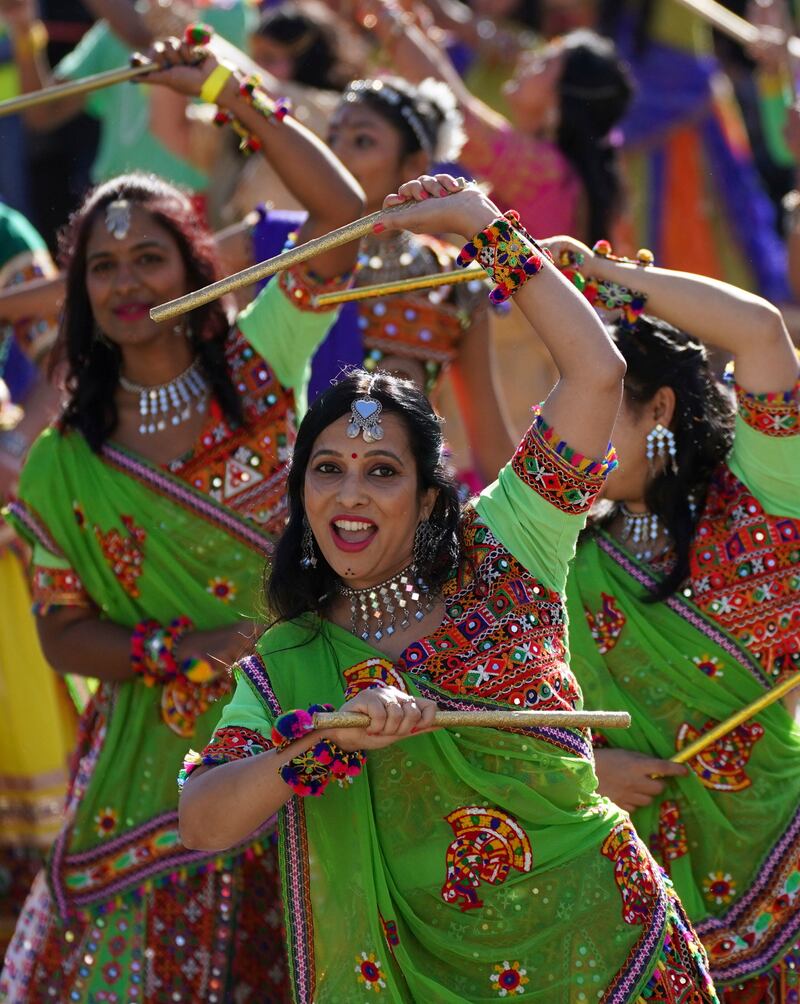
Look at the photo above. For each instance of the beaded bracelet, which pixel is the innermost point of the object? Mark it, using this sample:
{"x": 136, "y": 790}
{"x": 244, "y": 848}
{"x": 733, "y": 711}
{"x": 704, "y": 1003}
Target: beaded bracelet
{"x": 153, "y": 653}
{"x": 274, "y": 111}
{"x": 503, "y": 248}
{"x": 309, "y": 773}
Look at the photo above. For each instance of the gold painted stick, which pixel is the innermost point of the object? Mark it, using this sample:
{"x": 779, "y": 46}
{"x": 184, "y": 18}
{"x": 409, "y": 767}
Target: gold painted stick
{"x": 400, "y": 286}
{"x": 491, "y": 719}
{"x": 748, "y": 711}
{"x": 344, "y": 235}
{"x": 73, "y": 87}
{"x": 731, "y": 24}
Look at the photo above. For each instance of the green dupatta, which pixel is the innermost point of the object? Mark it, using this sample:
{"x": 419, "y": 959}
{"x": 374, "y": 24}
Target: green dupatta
{"x": 729, "y": 832}
{"x": 145, "y": 545}
{"x": 460, "y": 866}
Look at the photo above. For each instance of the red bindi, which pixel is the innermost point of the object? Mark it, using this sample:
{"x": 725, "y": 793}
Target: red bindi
{"x": 354, "y": 456}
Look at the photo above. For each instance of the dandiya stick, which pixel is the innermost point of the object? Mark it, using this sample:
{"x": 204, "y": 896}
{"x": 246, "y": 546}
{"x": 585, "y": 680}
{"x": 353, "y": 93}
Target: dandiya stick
{"x": 319, "y": 245}
{"x": 491, "y": 718}
{"x": 731, "y": 24}
{"x": 400, "y": 286}
{"x": 74, "y": 87}
{"x": 729, "y": 724}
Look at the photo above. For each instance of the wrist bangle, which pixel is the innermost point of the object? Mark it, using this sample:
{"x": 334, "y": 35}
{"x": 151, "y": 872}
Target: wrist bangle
{"x": 214, "y": 83}
{"x": 506, "y": 252}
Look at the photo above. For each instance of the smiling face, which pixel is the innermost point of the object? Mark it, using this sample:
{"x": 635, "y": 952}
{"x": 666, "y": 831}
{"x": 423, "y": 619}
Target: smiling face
{"x": 126, "y": 277}
{"x": 372, "y": 150}
{"x": 363, "y": 502}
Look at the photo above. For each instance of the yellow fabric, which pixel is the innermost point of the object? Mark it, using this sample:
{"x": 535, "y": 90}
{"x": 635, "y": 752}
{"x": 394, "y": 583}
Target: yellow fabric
{"x": 37, "y": 721}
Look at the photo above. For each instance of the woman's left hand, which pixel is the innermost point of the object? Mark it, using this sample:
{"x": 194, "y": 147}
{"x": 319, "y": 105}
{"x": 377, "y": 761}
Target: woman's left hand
{"x": 439, "y": 203}
{"x": 183, "y": 68}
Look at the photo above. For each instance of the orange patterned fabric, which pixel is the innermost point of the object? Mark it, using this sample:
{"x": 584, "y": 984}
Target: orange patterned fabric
{"x": 771, "y": 414}
{"x": 57, "y": 587}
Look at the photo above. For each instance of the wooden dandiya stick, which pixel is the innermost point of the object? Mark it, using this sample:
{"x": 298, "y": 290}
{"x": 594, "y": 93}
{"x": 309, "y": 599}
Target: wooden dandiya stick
{"x": 729, "y": 724}
{"x": 319, "y": 245}
{"x": 400, "y": 286}
{"x": 74, "y": 87}
{"x": 731, "y": 24}
{"x": 500, "y": 719}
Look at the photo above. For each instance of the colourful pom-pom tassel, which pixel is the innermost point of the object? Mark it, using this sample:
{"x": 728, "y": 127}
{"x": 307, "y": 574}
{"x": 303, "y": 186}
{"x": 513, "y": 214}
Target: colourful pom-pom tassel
{"x": 198, "y": 33}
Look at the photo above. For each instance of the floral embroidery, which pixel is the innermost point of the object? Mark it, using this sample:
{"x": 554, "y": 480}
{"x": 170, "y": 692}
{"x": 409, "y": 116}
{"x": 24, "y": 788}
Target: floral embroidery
{"x": 228, "y": 743}
{"x": 106, "y": 822}
{"x": 369, "y": 973}
{"x": 57, "y": 587}
{"x": 565, "y": 478}
{"x": 719, "y": 887}
{"x": 708, "y": 664}
{"x": 634, "y": 871}
{"x": 488, "y": 844}
{"x": 721, "y": 766}
{"x": 503, "y": 633}
{"x": 125, "y": 554}
{"x": 222, "y": 588}
{"x": 776, "y": 414}
{"x": 606, "y": 625}
{"x": 670, "y": 842}
{"x": 509, "y": 978}
{"x": 744, "y": 574}
{"x": 370, "y": 673}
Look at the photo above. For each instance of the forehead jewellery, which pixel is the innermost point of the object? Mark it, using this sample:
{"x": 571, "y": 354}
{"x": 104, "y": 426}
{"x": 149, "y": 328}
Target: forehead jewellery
{"x": 118, "y": 218}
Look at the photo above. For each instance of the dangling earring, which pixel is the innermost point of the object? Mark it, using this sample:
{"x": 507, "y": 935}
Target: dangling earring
{"x": 427, "y": 538}
{"x": 661, "y": 443}
{"x": 308, "y": 556}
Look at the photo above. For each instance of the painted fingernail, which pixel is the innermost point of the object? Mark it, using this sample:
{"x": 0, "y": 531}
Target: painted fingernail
{"x": 379, "y": 228}
{"x": 425, "y": 195}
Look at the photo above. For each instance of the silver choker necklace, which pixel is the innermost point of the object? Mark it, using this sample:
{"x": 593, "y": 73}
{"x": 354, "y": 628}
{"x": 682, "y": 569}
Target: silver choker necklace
{"x": 641, "y": 530}
{"x": 170, "y": 403}
{"x": 374, "y": 611}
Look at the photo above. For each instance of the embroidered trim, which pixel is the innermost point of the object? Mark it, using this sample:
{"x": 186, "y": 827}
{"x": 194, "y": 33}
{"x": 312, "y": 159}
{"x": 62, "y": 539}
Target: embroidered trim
{"x": 57, "y": 587}
{"x": 774, "y": 414}
{"x": 301, "y": 286}
{"x": 565, "y": 478}
{"x": 35, "y": 525}
{"x": 227, "y": 744}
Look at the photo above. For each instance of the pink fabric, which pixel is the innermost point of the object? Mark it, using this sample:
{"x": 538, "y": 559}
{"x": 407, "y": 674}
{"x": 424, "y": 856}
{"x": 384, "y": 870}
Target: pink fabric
{"x": 531, "y": 176}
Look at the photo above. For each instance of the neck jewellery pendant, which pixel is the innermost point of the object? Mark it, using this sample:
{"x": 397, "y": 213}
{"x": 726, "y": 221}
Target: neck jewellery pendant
{"x": 169, "y": 403}
{"x": 642, "y": 529}
{"x": 374, "y": 611}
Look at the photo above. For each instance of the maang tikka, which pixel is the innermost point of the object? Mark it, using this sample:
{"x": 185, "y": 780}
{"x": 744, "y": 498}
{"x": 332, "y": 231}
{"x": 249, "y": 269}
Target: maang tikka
{"x": 365, "y": 418}
{"x": 118, "y": 218}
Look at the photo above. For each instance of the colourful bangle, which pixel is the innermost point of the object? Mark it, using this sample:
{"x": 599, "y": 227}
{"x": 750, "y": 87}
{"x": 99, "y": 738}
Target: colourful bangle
{"x": 310, "y": 772}
{"x": 152, "y": 649}
{"x": 505, "y": 251}
{"x": 293, "y": 725}
{"x": 214, "y": 83}
{"x": 604, "y": 293}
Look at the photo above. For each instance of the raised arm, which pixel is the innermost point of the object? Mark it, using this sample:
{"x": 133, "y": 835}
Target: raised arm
{"x": 720, "y": 315}
{"x": 583, "y": 405}
{"x": 304, "y": 164}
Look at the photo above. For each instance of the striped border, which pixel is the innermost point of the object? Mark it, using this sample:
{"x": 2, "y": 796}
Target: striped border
{"x": 34, "y": 524}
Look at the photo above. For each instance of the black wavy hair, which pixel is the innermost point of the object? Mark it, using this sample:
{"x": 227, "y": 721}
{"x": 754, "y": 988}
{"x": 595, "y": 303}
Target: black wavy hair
{"x": 595, "y": 91}
{"x": 377, "y": 95}
{"x": 310, "y": 36}
{"x": 659, "y": 355}
{"x": 92, "y": 362}
{"x": 292, "y": 590}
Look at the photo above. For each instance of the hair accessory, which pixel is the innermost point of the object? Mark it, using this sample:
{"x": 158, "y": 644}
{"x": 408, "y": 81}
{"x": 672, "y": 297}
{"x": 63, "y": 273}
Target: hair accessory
{"x": 308, "y": 556}
{"x": 642, "y": 530}
{"x": 661, "y": 443}
{"x": 396, "y": 99}
{"x": 118, "y": 218}
{"x": 170, "y": 403}
{"x": 504, "y": 249}
{"x": 365, "y": 418}
{"x": 374, "y": 611}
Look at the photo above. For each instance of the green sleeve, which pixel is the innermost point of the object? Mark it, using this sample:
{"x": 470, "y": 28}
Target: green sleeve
{"x": 769, "y": 466}
{"x": 538, "y": 505}
{"x": 245, "y": 710}
{"x": 99, "y": 50}
{"x": 285, "y": 336}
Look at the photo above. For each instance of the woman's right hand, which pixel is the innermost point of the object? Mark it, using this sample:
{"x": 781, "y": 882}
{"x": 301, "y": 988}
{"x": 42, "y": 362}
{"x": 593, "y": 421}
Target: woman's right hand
{"x": 632, "y": 779}
{"x": 394, "y": 715}
{"x": 182, "y": 67}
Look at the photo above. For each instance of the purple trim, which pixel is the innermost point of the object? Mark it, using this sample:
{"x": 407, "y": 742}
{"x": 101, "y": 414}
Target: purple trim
{"x": 201, "y": 505}
{"x": 784, "y": 851}
{"x": 565, "y": 739}
{"x": 641, "y": 958}
{"x": 32, "y": 523}
{"x": 294, "y": 850}
{"x": 686, "y": 610}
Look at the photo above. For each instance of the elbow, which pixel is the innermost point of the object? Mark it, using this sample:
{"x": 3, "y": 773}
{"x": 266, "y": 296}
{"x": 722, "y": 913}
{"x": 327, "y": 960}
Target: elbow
{"x": 354, "y": 202}
{"x": 769, "y": 322}
{"x": 195, "y": 835}
{"x": 610, "y": 371}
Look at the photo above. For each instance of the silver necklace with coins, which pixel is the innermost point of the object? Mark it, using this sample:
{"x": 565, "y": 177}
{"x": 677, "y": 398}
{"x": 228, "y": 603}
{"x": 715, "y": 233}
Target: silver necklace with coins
{"x": 640, "y": 533}
{"x": 379, "y": 610}
{"x": 166, "y": 405}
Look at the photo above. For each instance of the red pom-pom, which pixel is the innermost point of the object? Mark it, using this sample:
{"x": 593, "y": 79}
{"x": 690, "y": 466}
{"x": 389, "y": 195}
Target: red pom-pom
{"x": 198, "y": 33}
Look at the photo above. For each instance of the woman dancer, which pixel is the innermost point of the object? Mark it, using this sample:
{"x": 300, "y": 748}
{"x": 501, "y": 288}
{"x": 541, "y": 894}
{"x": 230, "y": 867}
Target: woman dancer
{"x": 684, "y": 607}
{"x": 150, "y": 508}
{"x": 457, "y": 866}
